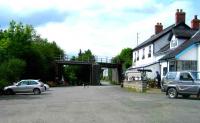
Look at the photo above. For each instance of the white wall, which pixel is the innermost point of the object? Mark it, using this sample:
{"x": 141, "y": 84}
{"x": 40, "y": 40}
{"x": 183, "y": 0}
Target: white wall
{"x": 198, "y": 57}
{"x": 156, "y": 46}
{"x": 189, "y": 53}
{"x": 154, "y": 68}
{"x": 146, "y": 60}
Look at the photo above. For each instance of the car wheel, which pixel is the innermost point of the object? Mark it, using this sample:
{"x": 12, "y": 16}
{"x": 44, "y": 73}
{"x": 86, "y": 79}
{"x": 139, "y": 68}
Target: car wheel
{"x": 36, "y": 91}
{"x": 172, "y": 93}
{"x": 45, "y": 88}
{"x": 198, "y": 94}
{"x": 186, "y": 96}
{"x": 9, "y": 92}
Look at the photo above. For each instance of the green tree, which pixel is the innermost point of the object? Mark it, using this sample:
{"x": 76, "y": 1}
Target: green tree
{"x": 19, "y": 39}
{"x": 77, "y": 75}
{"x": 21, "y": 42}
{"x": 41, "y": 60}
{"x": 12, "y": 70}
{"x": 125, "y": 58}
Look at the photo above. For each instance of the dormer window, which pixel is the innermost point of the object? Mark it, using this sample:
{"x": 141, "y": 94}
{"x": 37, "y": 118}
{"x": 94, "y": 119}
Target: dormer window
{"x": 143, "y": 55}
{"x": 138, "y": 55}
{"x": 174, "y": 43}
{"x": 149, "y": 54}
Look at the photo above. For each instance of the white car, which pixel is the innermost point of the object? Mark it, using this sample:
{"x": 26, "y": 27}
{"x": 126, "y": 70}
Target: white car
{"x": 24, "y": 86}
{"x": 46, "y": 87}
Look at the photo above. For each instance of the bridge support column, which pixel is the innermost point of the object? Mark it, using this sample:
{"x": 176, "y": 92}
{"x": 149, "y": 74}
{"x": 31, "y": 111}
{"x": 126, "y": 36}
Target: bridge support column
{"x": 95, "y": 74}
{"x": 58, "y": 73}
{"x": 117, "y": 74}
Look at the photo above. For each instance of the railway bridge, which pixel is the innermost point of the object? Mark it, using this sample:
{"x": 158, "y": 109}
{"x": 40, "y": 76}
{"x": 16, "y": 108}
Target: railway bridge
{"x": 95, "y": 66}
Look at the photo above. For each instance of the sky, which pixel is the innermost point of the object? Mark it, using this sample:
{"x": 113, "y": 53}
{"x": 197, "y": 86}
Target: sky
{"x": 103, "y": 26}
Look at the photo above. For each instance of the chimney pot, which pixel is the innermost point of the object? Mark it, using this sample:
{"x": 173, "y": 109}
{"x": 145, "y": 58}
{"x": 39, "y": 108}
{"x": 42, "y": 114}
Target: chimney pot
{"x": 180, "y": 16}
{"x": 195, "y": 23}
{"x": 158, "y": 28}
{"x": 195, "y": 17}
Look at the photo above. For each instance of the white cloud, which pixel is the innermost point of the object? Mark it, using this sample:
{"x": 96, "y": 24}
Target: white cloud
{"x": 88, "y": 30}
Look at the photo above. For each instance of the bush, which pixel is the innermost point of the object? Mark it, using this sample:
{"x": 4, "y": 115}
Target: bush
{"x": 11, "y": 70}
{"x": 3, "y": 83}
{"x": 51, "y": 84}
{"x": 151, "y": 83}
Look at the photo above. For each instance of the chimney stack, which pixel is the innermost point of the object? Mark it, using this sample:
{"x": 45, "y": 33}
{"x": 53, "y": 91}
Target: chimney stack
{"x": 158, "y": 28}
{"x": 180, "y": 16}
{"x": 195, "y": 23}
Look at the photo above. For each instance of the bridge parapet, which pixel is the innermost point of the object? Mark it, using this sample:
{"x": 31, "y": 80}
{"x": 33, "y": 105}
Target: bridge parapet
{"x": 96, "y": 59}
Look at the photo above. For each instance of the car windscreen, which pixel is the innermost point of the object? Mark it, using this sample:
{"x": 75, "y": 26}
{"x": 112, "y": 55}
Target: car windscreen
{"x": 196, "y": 75}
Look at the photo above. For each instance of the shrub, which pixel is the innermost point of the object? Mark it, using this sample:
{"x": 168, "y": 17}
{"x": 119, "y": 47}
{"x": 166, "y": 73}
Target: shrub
{"x": 3, "y": 83}
{"x": 11, "y": 70}
{"x": 151, "y": 83}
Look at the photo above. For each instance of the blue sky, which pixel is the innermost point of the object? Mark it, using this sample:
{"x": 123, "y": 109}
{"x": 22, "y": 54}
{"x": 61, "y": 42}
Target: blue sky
{"x": 104, "y": 26}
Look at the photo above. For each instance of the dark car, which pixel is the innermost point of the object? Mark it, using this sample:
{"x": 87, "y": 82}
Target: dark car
{"x": 183, "y": 83}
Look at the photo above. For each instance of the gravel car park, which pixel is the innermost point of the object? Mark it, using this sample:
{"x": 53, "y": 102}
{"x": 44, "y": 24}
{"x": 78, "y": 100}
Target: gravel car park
{"x": 97, "y": 104}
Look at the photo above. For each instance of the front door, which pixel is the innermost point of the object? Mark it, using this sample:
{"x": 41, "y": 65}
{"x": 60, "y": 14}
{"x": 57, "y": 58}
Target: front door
{"x": 22, "y": 86}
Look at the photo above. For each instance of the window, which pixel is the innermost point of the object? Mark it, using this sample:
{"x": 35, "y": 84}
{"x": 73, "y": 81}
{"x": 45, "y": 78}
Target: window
{"x": 143, "y": 56}
{"x": 164, "y": 71}
{"x": 185, "y": 77}
{"x": 32, "y": 83}
{"x": 138, "y": 55}
{"x": 174, "y": 43}
{"x": 24, "y": 83}
{"x": 196, "y": 75}
{"x": 149, "y": 54}
{"x": 172, "y": 66}
{"x": 135, "y": 57}
{"x": 186, "y": 65}
{"x": 171, "y": 76}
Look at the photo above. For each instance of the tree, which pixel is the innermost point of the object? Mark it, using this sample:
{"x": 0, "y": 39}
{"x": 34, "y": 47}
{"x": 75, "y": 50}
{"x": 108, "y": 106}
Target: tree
{"x": 41, "y": 61}
{"x": 77, "y": 75}
{"x": 12, "y": 70}
{"x": 125, "y": 58}
{"x": 21, "y": 47}
{"x": 19, "y": 39}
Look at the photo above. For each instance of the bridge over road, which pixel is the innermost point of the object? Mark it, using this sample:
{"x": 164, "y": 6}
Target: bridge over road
{"x": 95, "y": 66}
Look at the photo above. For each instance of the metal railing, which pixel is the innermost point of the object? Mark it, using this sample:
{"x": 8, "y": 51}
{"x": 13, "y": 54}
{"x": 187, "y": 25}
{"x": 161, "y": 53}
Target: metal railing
{"x": 85, "y": 59}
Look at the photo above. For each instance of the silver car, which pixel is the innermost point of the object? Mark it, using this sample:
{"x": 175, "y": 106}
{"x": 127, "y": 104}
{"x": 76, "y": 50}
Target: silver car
{"x": 46, "y": 87}
{"x": 185, "y": 83}
{"x": 24, "y": 86}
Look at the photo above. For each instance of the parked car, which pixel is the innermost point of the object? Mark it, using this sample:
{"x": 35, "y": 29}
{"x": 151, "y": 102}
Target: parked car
{"x": 24, "y": 86}
{"x": 46, "y": 87}
{"x": 183, "y": 83}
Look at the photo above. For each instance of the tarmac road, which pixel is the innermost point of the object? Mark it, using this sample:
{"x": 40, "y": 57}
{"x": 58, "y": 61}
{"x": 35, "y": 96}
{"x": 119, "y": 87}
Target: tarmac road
{"x": 97, "y": 104}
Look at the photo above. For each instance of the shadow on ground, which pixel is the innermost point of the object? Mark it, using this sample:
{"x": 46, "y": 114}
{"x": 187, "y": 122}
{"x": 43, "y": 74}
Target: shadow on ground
{"x": 19, "y": 96}
{"x": 190, "y": 98}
